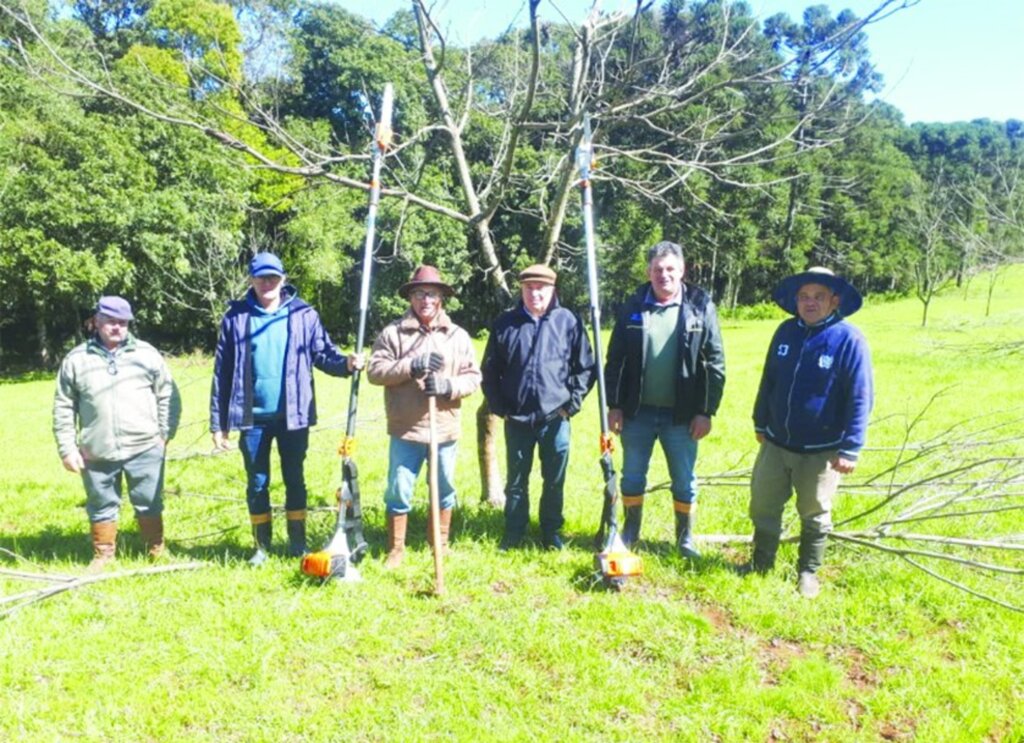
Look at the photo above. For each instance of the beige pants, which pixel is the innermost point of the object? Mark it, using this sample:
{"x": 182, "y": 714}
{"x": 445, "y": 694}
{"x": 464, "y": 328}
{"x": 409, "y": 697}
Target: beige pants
{"x": 777, "y": 473}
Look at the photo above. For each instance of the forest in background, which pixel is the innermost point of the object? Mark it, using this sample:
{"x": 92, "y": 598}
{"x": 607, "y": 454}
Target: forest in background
{"x": 149, "y": 148}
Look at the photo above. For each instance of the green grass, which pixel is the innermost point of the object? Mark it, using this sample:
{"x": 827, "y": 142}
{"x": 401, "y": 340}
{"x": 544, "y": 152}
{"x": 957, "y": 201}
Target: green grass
{"x": 523, "y": 645}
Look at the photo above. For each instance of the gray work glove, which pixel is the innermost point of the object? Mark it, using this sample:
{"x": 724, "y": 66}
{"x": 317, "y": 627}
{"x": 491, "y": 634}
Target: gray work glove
{"x": 428, "y": 362}
{"x": 436, "y": 386}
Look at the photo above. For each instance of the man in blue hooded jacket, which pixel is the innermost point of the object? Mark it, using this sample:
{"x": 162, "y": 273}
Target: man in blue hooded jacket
{"x": 269, "y": 343}
{"x": 810, "y": 417}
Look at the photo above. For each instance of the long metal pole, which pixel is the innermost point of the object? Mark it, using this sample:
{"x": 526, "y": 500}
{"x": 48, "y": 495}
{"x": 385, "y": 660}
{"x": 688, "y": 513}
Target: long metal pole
{"x": 381, "y": 141}
{"x": 584, "y": 161}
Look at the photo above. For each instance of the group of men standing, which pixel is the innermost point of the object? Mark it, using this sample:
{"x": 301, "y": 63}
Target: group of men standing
{"x": 114, "y": 408}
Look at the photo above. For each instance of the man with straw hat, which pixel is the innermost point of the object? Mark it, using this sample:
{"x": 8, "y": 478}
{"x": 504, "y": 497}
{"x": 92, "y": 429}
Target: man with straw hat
{"x": 810, "y": 417}
{"x": 421, "y": 354}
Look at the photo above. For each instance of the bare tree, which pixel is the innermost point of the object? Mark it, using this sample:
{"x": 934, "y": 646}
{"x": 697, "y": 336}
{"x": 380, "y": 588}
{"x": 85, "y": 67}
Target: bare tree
{"x": 672, "y": 106}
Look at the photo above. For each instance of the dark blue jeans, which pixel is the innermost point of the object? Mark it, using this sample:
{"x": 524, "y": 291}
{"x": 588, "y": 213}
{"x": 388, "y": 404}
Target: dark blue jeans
{"x": 552, "y": 441}
{"x": 291, "y": 448}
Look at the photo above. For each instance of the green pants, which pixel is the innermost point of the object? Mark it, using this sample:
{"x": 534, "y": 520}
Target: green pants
{"x": 777, "y": 473}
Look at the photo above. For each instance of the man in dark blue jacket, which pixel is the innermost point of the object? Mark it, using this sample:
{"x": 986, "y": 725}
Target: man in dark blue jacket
{"x": 263, "y": 387}
{"x": 537, "y": 368}
{"x": 810, "y": 417}
{"x": 665, "y": 374}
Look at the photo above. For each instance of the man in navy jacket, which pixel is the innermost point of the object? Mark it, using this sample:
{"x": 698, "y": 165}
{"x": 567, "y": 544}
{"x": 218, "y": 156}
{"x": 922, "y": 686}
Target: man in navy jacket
{"x": 810, "y": 417}
{"x": 537, "y": 368}
{"x": 665, "y": 375}
{"x": 269, "y": 343}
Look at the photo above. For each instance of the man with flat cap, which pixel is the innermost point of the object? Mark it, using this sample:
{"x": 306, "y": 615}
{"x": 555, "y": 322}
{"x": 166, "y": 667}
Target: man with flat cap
{"x": 268, "y": 345}
{"x": 810, "y": 417}
{"x": 537, "y": 368}
{"x": 114, "y": 411}
{"x": 421, "y": 354}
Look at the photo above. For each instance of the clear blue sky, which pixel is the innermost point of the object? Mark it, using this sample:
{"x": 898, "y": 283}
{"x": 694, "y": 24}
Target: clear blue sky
{"x": 942, "y": 60}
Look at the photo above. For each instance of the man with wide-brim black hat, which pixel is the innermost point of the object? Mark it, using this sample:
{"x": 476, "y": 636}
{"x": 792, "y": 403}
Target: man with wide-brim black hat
{"x": 810, "y": 417}
{"x": 421, "y": 354}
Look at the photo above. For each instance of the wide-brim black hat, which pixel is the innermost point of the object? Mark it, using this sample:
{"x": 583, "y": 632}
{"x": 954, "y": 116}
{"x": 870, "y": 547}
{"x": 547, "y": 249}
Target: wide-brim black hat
{"x": 785, "y": 292}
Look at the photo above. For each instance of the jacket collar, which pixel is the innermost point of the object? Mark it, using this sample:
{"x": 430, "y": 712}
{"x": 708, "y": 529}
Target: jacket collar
{"x": 288, "y": 293}
{"x": 95, "y": 346}
{"x": 832, "y": 319}
{"x": 409, "y": 323}
{"x": 551, "y": 308}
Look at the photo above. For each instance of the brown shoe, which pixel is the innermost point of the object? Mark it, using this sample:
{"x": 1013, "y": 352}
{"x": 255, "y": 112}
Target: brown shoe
{"x": 397, "y": 523}
{"x": 104, "y": 544}
{"x": 151, "y": 529}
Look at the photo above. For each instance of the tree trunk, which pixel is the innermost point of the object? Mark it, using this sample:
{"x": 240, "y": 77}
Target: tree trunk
{"x": 492, "y": 491}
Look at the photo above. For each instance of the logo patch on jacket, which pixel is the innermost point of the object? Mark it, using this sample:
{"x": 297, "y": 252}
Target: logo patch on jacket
{"x": 783, "y": 349}
{"x": 824, "y": 362}
{"x": 694, "y": 325}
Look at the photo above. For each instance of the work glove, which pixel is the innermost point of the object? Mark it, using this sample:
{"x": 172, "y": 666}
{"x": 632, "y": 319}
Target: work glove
{"x": 436, "y": 386}
{"x": 432, "y": 362}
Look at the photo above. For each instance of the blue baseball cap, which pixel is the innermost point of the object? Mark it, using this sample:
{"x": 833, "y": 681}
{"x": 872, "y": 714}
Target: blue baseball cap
{"x": 266, "y": 264}
{"x": 115, "y": 307}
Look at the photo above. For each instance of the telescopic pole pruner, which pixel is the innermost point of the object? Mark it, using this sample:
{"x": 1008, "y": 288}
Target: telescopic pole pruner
{"x": 613, "y": 561}
{"x": 348, "y": 546}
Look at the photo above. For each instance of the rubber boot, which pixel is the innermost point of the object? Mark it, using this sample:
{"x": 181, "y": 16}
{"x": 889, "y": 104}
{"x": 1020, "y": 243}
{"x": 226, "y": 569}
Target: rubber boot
{"x": 397, "y": 523}
{"x": 684, "y": 532}
{"x": 633, "y": 509}
{"x": 151, "y": 529}
{"x": 762, "y": 558}
{"x": 446, "y": 527}
{"x": 104, "y": 544}
{"x": 262, "y": 534}
{"x": 809, "y": 557}
{"x": 296, "y": 523}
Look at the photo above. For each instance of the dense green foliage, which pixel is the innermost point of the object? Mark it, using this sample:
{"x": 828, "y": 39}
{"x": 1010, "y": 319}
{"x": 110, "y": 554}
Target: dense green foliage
{"x": 523, "y": 647}
{"x": 761, "y": 159}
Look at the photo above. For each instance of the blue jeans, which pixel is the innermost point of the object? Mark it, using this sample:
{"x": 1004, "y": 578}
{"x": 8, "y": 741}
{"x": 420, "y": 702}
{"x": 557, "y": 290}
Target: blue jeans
{"x": 638, "y": 436}
{"x": 291, "y": 448}
{"x": 405, "y": 459}
{"x": 552, "y": 441}
{"x": 103, "y": 484}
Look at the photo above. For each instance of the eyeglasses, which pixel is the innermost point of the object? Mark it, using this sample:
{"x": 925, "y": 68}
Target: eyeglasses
{"x": 422, "y": 294}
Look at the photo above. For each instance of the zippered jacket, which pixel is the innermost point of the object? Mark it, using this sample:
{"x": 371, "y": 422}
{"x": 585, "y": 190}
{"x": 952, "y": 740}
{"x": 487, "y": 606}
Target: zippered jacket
{"x": 309, "y": 346}
{"x": 112, "y": 405}
{"x": 535, "y": 366}
{"x": 816, "y": 389}
{"x": 701, "y": 364}
{"x": 405, "y": 402}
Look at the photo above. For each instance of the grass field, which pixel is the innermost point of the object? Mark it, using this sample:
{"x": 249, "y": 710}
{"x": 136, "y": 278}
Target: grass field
{"x": 524, "y": 646}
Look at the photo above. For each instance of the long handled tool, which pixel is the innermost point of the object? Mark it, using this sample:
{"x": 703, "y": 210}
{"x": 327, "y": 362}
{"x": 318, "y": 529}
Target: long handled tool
{"x": 435, "y": 504}
{"x": 348, "y": 546}
{"x": 614, "y": 563}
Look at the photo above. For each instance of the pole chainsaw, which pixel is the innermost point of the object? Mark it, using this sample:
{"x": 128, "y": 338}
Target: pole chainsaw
{"x": 348, "y": 546}
{"x": 614, "y": 563}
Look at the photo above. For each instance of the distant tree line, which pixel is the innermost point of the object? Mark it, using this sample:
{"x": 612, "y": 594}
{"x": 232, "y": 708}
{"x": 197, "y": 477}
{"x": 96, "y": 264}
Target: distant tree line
{"x": 148, "y": 148}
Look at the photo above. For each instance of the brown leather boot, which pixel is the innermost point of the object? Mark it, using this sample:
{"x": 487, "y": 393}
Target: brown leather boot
{"x": 151, "y": 529}
{"x": 397, "y": 522}
{"x": 104, "y": 544}
{"x": 446, "y": 527}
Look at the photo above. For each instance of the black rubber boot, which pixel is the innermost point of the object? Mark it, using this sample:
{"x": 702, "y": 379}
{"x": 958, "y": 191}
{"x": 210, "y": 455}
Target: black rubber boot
{"x": 811, "y": 552}
{"x": 684, "y": 536}
{"x": 261, "y": 534}
{"x": 631, "y": 527}
{"x": 762, "y": 558}
{"x": 297, "y": 537}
